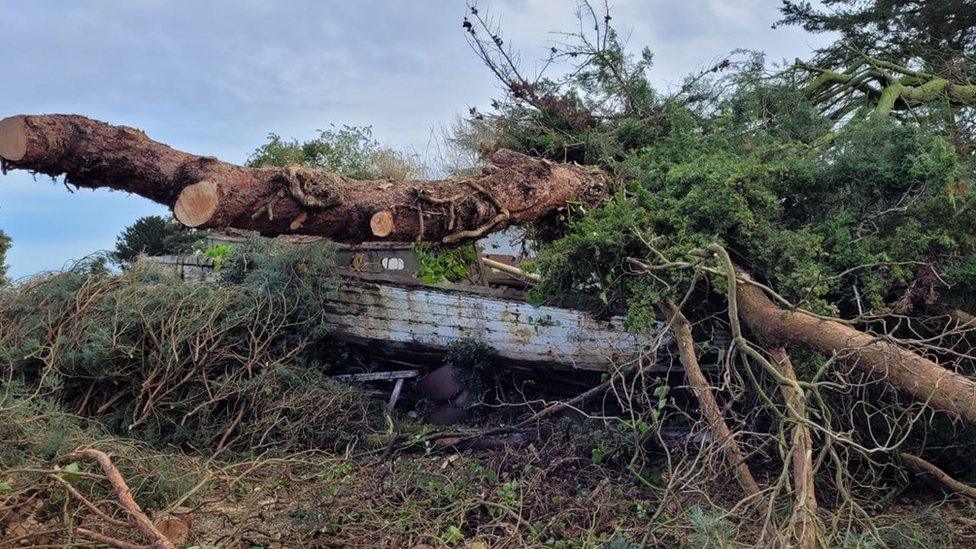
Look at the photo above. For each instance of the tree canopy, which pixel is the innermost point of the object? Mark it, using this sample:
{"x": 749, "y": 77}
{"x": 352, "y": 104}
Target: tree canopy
{"x": 154, "y": 235}
{"x": 841, "y": 186}
{"x": 841, "y": 216}
{"x": 900, "y": 31}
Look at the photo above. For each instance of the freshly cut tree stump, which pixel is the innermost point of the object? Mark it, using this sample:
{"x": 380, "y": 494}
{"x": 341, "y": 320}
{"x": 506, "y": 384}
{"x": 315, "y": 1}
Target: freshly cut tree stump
{"x": 381, "y": 223}
{"x": 13, "y": 138}
{"x": 207, "y": 193}
{"x": 197, "y": 203}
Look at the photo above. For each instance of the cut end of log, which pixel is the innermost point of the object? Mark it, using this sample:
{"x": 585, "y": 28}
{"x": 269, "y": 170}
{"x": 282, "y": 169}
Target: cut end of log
{"x": 381, "y": 224}
{"x": 13, "y": 138}
{"x": 197, "y": 203}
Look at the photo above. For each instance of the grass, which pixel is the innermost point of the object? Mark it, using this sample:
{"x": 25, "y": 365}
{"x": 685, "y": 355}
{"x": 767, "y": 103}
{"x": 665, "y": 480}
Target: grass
{"x": 215, "y": 403}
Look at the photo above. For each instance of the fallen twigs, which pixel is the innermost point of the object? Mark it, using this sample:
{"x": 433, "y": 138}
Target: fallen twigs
{"x": 922, "y": 465}
{"x": 142, "y": 523}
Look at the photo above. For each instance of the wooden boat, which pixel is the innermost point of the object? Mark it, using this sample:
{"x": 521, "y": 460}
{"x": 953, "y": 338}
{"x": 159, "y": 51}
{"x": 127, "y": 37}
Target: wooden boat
{"x": 381, "y": 305}
{"x": 398, "y": 315}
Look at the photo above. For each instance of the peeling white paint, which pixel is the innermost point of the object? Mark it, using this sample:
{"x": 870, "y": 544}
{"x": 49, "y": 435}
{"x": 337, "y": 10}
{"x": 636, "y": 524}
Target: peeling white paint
{"x": 434, "y": 318}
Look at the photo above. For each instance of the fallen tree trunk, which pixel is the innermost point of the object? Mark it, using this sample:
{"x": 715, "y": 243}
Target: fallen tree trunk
{"x": 922, "y": 378}
{"x": 207, "y": 193}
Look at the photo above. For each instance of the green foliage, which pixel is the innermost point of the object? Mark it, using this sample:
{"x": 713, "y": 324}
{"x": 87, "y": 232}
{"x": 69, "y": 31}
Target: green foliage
{"x": 348, "y": 150}
{"x": 4, "y": 247}
{"x": 217, "y": 253}
{"x": 305, "y": 274}
{"x": 189, "y": 358}
{"x": 453, "y": 535}
{"x": 869, "y": 218}
{"x": 709, "y": 530}
{"x": 154, "y": 235}
{"x": 900, "y": 30}
{"x": 837, "y": 220}
{"x": 441, "y": 266}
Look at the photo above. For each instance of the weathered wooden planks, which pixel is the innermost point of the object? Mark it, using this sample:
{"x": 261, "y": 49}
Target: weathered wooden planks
{"x": 403, "y": 316}
{"x": 398, "y": 315}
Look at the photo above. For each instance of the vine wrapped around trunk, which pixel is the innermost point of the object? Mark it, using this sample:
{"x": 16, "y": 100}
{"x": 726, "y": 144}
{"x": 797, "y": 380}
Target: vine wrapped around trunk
{"x": 205, "y": 192}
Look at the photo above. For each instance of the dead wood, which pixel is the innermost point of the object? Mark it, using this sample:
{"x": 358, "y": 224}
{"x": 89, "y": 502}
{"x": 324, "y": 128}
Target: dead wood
{"x": 924, "y": 466}
{"x": 108, "y": 540}
{"x": 804, "y": 519}
{"x": 207, "y": 193}
{"x": 706, "y": 400}
{"x": 142, "y": 523}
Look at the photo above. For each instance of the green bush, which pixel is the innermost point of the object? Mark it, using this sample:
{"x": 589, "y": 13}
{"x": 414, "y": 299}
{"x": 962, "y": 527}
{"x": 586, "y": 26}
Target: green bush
{"x": 154, "y": 235}
{"x": 171, "y": 362}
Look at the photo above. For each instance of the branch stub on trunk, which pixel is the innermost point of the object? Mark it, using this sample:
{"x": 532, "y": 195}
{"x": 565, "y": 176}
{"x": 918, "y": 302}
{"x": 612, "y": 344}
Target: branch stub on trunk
{"x": 197, "y": 203}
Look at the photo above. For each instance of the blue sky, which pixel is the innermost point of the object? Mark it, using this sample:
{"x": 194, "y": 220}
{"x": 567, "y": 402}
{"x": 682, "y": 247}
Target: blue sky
{"x": 215, "y": 77}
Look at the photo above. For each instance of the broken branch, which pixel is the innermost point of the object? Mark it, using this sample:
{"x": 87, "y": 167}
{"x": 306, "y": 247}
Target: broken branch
{"x": 142, "y": 522}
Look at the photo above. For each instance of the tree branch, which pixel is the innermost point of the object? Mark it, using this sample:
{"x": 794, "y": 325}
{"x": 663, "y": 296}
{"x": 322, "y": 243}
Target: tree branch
{"x": 142, "y": 522}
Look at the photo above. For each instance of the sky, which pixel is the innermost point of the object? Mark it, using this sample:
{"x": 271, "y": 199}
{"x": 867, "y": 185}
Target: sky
{"x": 215, "y": 77}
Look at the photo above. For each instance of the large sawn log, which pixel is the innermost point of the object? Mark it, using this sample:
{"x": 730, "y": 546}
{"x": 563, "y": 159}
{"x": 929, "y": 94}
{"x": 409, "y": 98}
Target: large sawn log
{"x": 205, "y": 192}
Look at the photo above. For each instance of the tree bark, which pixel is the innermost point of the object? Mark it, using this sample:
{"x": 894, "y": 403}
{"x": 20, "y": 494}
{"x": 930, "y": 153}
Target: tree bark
{"x": 706, "y": 400}
{"x": 804, "y": 519}
{"x": 922, "y": 378}
{"x": 207, "y": 193}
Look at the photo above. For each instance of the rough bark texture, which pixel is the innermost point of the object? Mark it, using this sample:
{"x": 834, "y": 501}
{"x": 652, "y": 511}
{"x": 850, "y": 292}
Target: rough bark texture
{"x": 938, "y": 387}
{"x": 706, "y": 400}
{"x": 206, "y": 192}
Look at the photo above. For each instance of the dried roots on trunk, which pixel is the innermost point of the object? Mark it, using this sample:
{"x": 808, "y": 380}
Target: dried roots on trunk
{"x": 207, "y": 193}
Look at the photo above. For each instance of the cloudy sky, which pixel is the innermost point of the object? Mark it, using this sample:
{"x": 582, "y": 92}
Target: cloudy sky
{"x": 214, "y": 77}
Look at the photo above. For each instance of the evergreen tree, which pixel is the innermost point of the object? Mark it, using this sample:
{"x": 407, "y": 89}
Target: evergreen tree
{"x": 154, "y": 235}
{"x": 931, "y": 33}
{"x": 4, "y": 246}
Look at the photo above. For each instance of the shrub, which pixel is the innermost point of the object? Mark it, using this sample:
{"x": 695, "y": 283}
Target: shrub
{"x": 197, "y": 365}
{"x": 154, "y": 235}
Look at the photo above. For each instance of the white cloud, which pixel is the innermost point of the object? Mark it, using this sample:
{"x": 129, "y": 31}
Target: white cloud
{"x": 215, "y": 77}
